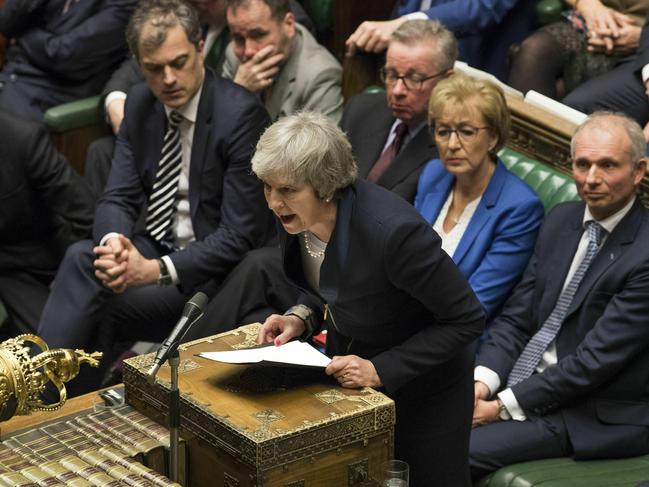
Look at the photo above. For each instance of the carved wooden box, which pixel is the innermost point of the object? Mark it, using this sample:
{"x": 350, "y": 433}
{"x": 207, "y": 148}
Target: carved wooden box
{"x": 266, "y": 426}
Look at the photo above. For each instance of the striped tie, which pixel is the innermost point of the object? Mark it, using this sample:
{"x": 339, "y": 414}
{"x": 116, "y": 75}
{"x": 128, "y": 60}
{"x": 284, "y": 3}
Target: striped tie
{"x": 531, "y": 356}
{"x": 162, "y": 201}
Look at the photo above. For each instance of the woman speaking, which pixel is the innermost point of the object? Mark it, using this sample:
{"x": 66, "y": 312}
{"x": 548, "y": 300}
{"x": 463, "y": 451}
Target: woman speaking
{"x": 399, "y": 313}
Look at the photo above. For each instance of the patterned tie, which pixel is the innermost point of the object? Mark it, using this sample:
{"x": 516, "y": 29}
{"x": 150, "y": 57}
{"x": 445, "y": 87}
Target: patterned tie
{"x": 389, "y": 153}
{"x": 162, "y": 201}
{"x": 533, "y": 351}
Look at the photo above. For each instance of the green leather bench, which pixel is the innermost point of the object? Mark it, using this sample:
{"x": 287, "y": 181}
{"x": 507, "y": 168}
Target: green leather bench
{"x": 555, "y": 187}
{"x": 550, "y": 185}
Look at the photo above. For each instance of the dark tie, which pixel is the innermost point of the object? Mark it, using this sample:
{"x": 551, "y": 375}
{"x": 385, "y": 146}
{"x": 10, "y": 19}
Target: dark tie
{"x": 531, "y": 356}
{"x": 162, "y": 201}
{"x": 389, "y": 153}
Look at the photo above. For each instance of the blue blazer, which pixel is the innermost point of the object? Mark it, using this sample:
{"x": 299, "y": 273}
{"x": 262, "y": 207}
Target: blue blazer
{"x": 500, "y": 237}
{"x": 485, "y": 28}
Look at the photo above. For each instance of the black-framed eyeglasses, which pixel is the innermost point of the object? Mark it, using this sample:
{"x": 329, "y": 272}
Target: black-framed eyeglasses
{"x": 465, "y": 133}
{"x": 410, "y": 81}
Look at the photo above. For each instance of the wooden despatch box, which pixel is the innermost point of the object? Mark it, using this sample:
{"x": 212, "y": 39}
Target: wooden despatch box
{"x": 266, "y": 426}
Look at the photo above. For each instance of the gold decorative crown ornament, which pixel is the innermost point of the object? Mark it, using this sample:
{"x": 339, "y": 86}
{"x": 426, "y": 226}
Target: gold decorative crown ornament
{"x": 24, "y": 374}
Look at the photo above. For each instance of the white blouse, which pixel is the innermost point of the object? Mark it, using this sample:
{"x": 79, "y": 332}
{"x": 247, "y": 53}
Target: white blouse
{"x": 451, "y": 239}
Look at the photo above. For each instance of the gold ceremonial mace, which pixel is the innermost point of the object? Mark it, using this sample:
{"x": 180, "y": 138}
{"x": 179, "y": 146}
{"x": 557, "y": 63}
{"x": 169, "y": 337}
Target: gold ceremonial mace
{"x": 24, "y": 375}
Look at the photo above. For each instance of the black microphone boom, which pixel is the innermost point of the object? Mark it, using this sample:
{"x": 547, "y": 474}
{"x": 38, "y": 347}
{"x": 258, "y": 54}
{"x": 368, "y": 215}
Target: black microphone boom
{"x": 192, "y": 311}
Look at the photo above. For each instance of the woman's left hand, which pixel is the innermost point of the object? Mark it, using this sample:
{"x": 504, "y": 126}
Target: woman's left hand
{"x": 484, "y": 412}
{"x": 352, "y": 371}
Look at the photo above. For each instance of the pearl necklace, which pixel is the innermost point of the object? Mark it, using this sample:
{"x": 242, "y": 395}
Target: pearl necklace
{"x": 315, "y": 254}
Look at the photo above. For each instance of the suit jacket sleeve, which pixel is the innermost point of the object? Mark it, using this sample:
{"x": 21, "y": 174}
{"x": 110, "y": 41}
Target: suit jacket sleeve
{"x": 81, "y": 51}
{"x": 466, "y": 17}
{"x": 508, "y": 254}
{"x": 18, "y": 15}
{"x": 417, "y": 265}
{"x": 127, "y": 75}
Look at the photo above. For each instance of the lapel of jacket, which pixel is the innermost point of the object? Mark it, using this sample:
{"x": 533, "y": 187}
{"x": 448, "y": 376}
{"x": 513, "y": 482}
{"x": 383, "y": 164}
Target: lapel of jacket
{"x": 338, "y": 248}
{"x": 558, "y": 262}
{"x": 374, "y": 132}
{"x": 616, "y": 244}
{"x": 483, "y": 212}
{"x": 202, "y": 129}
{"x": 284, "y": 85}
{"x": 153, "y": 134}
{"x": 419, "y": 150}
{"x": 436, "y": 198}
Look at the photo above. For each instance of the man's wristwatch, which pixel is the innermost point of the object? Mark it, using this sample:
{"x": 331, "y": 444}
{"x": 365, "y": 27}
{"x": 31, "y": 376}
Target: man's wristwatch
{"x": 165, "y": 276}
{"x": 503, "y": 414}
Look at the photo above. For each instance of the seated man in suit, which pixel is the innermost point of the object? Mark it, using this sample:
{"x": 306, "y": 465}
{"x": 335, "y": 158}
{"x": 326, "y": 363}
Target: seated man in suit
{"x": 623, "y": 89}
{"x": 216, "y": 36}
{"x": 485, "y": 28}
{"x": 44, "y": 207}
{"x": 421, "y": 52}
{"x": 278, "y": 59}
{"x": 61, "y": 50}
{"x": 566, "y": 371}
{"x": 183, "y": 157}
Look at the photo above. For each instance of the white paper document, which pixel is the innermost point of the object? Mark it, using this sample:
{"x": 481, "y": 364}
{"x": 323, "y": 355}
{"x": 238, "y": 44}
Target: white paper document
{"x": 291, "y": 353}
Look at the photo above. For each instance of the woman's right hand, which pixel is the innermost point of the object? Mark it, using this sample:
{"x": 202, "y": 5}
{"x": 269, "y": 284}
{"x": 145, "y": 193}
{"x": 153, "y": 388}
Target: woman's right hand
{"x": 280, "y": 329}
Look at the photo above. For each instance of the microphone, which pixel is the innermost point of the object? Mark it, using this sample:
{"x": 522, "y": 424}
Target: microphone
{"x": 192, "y": 311}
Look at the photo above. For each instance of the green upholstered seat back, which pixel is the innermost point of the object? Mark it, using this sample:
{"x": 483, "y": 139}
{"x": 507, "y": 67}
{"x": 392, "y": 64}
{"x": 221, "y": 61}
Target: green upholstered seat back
{"x": 550, "y": 185}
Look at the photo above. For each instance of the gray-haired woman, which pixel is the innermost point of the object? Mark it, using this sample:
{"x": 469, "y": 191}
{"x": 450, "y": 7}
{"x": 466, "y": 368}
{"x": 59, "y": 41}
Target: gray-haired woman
{"x": 399, "y": 313}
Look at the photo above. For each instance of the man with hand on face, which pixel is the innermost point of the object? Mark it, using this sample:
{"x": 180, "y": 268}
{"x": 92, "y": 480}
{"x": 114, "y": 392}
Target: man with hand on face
{"x": 566, "y": 370}
{"x": 279, "y": 60}
{"x": 182, "y": 156}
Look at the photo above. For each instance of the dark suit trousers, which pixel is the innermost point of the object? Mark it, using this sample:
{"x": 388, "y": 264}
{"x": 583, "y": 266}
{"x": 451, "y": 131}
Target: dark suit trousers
{"x": 619, "y": 90}
{"x": 98, "y": 163}
{"x": 81, "y": 313}
{"x": 254, "y": 290}
{"x": 507, "y": 442}
{"x": 23, "y": 294}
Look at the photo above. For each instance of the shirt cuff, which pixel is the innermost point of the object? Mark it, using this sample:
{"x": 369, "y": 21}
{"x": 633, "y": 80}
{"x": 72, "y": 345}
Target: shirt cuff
{"x": 112, "y": 96}
{"x": 509, "y": 401}
{"x": 645, "y": 73}
{"x": 488, "y": 377}
{"x": 171, "y": 269}
{"x": 107, "y": 237}
{"x": 416, "y": 16}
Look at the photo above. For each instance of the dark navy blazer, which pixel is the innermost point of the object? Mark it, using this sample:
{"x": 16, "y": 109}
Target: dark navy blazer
{"x": 227, "y": 207}
{"x": 500, "y": 237}
{"x": 600, "y": 384}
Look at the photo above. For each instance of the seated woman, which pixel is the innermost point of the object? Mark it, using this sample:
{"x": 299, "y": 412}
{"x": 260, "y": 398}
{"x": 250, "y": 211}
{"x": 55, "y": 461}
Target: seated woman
{"x": 400, "y": 315}
{"x": 598, "y": 35}
{"x": 487, "y": 217}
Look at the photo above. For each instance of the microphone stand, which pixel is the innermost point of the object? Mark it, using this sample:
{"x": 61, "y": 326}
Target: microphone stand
{"x": 174, "y": 416}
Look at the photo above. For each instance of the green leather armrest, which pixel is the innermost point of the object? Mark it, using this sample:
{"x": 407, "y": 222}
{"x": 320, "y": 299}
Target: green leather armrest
{"x": 550, "y": 185}
{"x": 548, "y": 11}
{"x": 73, "y": 115}
{"x": 566, "y": 472}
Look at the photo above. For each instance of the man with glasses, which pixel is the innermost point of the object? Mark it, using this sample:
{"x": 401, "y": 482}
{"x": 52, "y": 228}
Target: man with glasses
{"x": 566, "y": 370}
{"x": 388, "y": 132}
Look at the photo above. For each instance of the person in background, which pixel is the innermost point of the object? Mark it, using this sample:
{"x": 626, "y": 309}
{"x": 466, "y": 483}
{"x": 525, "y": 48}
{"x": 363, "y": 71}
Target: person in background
{"x": 487, "y": 217}
{"x": 566, "y": 370}
{"x": 280, "y": 61}
{"x": 485, "y": 29}
{"x": 400, "y": 314}
{"x": 44, "y": 207}
{"x": 182, "y": 157}
{"x": 61, "y": 50}
{"x": 597, "y": 36}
